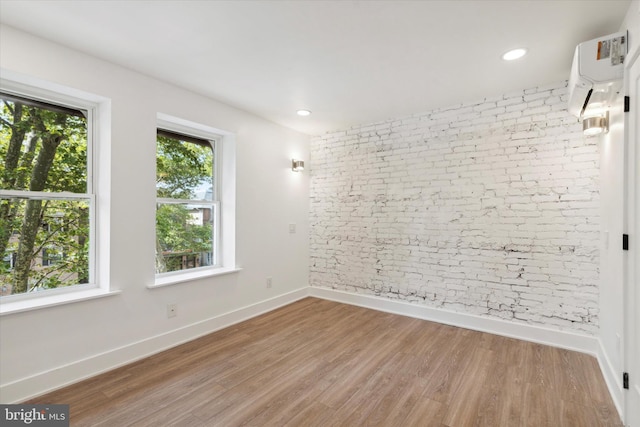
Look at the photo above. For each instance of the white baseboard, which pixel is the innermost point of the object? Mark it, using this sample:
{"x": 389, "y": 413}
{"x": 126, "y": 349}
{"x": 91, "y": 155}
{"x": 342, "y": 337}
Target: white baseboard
{"x": 44, "y": 382}
{"x": 611, "y": 378}
{"x": 562, "y": 339}
{"x": 567, "y": 340}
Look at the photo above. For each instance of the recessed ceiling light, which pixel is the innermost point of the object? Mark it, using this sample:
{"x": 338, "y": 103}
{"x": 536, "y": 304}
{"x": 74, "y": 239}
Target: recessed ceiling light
{"x": 514, "y": 54}
{"x": 303, "y": 113}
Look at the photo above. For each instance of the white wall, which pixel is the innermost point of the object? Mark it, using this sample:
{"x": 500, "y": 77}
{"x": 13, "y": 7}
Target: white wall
{"x": 49, "y": 347}
{"x": 611, "y": 331}
{"x": 487, "y": 208}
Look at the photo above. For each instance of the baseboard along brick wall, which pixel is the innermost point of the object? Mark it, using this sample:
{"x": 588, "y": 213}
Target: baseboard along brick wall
{"x": 488, "y": 208}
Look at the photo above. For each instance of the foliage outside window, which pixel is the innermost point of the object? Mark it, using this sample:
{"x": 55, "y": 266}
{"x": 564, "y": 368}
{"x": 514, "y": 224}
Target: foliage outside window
{"x": 186, "y": 206}
{"x": 45, "y": 196}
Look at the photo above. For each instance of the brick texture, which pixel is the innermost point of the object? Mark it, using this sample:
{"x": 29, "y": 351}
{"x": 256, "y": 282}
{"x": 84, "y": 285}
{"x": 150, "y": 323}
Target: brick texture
{"x": 488, "y": 208}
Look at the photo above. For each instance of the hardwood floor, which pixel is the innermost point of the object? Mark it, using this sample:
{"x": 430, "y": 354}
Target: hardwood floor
{"x": 321, "y": 363}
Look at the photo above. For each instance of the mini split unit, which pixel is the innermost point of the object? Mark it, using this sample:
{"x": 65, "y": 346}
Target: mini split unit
{"x": 596, "y": 79}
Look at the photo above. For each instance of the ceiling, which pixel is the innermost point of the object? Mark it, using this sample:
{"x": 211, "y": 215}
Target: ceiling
{"x": 349, "y": 62}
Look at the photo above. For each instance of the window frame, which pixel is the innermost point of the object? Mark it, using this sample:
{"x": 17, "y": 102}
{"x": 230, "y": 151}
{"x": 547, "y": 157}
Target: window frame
{"x": 98, "y": 116}
{"x": 180, "y": 127}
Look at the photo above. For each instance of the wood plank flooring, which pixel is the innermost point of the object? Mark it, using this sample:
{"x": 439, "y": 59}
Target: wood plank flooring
{"x": 321, "y": 363}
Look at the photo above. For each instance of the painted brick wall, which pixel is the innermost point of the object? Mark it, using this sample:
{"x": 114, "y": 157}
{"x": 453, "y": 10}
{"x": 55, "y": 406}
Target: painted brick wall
{"x": 488, "y": 208}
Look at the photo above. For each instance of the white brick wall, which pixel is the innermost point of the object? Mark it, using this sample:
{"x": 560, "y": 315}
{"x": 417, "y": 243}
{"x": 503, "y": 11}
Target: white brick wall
{"x": 488, "y": 208}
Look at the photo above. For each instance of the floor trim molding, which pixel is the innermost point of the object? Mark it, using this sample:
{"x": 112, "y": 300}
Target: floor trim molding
{"x": 47, "y": 381}
{"x": 79, "y": 370}
{"x": 568, "y": 340}
{"x": 611, "y": 378}
{"x": 563, "y": 339}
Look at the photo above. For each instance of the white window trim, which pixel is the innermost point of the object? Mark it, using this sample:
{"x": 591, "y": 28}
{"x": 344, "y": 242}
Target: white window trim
{"x": 174, "y": 278}
{"x": 98, "y": 187}
{"x": 65, "y": 296}
{"x": 225, "y": 183}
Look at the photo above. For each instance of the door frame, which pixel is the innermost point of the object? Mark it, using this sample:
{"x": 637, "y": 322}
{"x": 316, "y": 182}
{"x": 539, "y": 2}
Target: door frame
{"x": 631, "y": 258}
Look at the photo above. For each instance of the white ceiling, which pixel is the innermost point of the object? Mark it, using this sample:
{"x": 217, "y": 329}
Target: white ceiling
{"x": 349, "y": 62}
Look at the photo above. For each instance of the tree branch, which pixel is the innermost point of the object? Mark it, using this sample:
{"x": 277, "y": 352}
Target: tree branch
{"x": 6, "y": 123}
{"x": 8, "y": 105}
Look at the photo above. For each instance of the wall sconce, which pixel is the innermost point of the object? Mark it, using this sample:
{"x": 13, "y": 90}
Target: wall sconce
{"x": 297, "y": 165}
{"x": 592, "y": 126}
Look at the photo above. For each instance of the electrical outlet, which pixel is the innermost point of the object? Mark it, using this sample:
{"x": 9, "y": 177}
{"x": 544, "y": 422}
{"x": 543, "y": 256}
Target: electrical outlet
{"x": 269, "y": 282}
{"x": 292, "y": 228}
{"x": 172, "y": 310}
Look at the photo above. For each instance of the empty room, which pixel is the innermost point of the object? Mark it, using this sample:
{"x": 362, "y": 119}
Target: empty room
{"x": 320, "y": 213}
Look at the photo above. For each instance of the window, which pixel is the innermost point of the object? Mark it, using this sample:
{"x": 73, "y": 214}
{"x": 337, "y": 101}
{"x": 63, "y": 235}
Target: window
{"x": 195, "y": 201}
{"x": 46, "y": 194}
{"x": 187, "y": 206}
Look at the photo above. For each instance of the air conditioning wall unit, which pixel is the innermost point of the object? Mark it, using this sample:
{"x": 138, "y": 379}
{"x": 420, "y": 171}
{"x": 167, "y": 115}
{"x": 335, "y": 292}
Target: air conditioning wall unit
{"x": 596, "y": 74}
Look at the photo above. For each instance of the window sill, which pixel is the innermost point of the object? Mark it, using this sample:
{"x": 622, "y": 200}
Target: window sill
{"x": 53, "y": 300}
{"x": 174, "y": 279}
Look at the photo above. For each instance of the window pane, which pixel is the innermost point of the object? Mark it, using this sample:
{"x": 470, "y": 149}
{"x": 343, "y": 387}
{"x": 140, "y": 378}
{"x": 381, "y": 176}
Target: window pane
{"x": 44, "y": 239}
{"x": 184, "y": 236}
{"x": 47, "y": 244}
{"x": 42, "y": 148}
{"x": 184, "y": 169}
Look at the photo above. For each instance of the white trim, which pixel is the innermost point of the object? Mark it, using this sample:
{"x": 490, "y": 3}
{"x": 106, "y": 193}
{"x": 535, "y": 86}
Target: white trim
{"x": 21, "y": 84}
{"x": 101, "y": 263}
{"x": 223, "y": 145}
{"x": 611, "y": 378}
{"x": 176, "y": 124}
{"x": 182, "y": 276}
{"x": 166, "y": 201}
{"x": 631, "y": 275}
{"x": 72, "y": 295}
{"x": 562, "y": 339}
{"x": 227, "y": 196}
{"x": 46, "y": 195}
{"x": 53, "y": 379}
{"x": 59, "y": 377}
{"x": 98, "y": 109}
